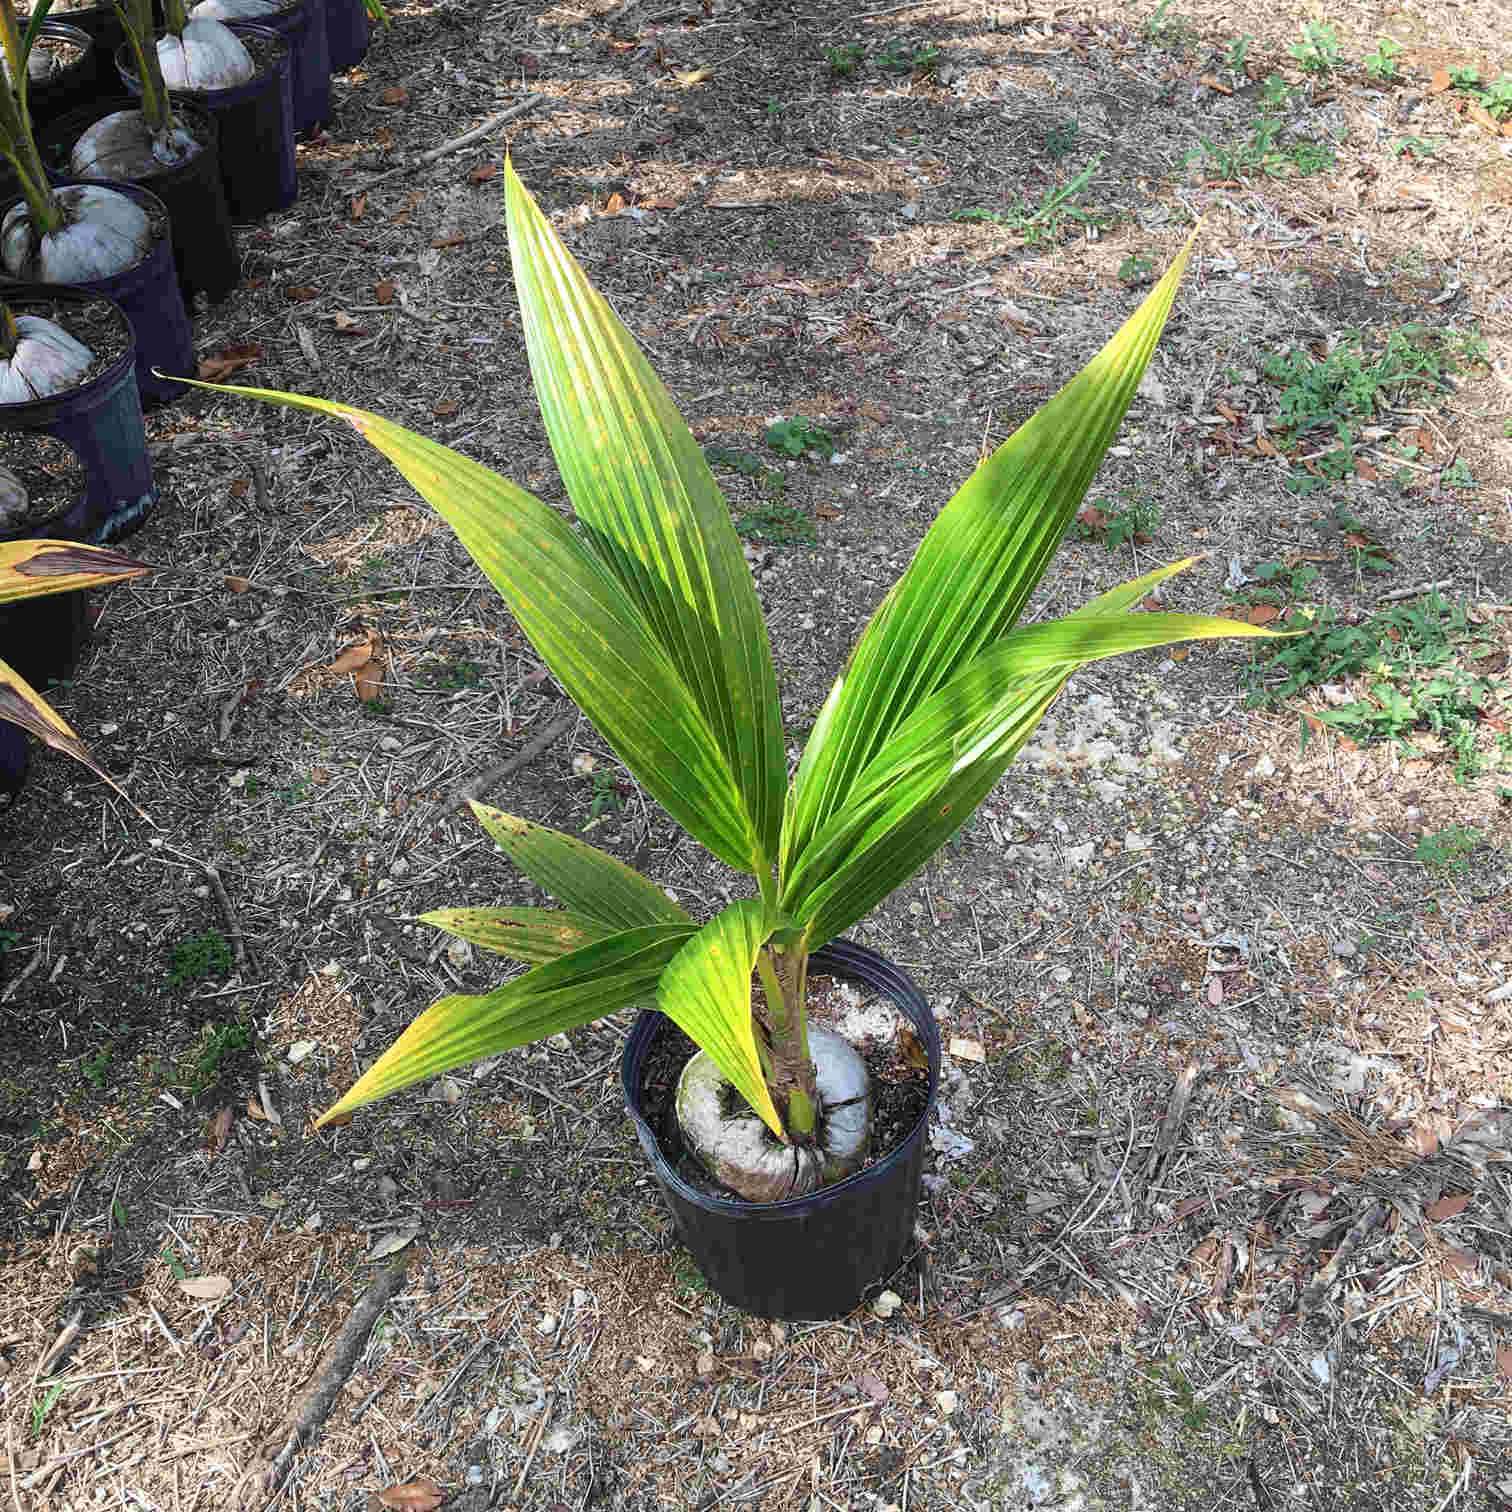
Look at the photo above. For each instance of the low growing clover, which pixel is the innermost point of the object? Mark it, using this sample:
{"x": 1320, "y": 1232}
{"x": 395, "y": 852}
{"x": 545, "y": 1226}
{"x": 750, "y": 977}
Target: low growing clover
{"x": 644, "y": 610}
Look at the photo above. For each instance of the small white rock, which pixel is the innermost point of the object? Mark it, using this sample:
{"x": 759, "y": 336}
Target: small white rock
{"x": 947, "y": 1402}
{"x": 886, "y": 1304}
{"x": 546, "y": 1323}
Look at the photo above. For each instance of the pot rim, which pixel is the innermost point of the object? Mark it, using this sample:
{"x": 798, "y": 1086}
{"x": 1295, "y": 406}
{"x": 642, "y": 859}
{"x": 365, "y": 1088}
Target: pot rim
{"x": 127, "y": 190}
{"x": 856, "y": 963}
{"x": 282, "y": 62}
{"x": 33, "y": 530}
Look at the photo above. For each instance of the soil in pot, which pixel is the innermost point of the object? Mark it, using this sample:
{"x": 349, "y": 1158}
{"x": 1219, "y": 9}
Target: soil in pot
{"x": 255, "y": 123}
{"x": 149, "y": 293}
{"x": 41, "y": 638}
{"x": 98, "y": 21}
{"x": 99, "y": 416}
{"x": 204, "y": 248}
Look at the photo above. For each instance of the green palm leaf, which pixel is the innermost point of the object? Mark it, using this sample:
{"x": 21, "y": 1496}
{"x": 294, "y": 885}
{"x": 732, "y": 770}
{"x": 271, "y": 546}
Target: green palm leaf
{"x": 578, "y": 617}
{"x": 573, "y": 990}
{"x": 651, "y": 508}
{"x": 706, "y": 992}
{"x": 944, "y": 759}
{"x": 974, "y": 570}
{"x": 580, "y": 875}
{"x": 536, "y": 935}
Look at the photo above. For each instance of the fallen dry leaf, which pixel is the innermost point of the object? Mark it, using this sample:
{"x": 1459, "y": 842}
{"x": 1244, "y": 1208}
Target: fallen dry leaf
{"x": 912, "y": 1047}
{"x": 1440, "y": 81}
{"x": 219, "y": 366}
{"x": 413, "y": 1496}
{"x": 1180, "y": 653}
{"x": 358, "y": 207}
{"x": 349, "y": 325}
{"x": 395, "y": 94}
{"x": 455, "y": 239}
{"x": 444, "y": 408}
{"x": 1448, "y": 1207}
{"x": 206, "y": 1288}
{"x": 369, "y": 680}
{"x": 968, "y": 1049}
{"x": 392, "y": 1243}
{"x": 692, "y": 76}
{"x": 1217, "y": 85}
{"x": 301, "y": 293}
{"x": 384, "y": 291}
{"x": 1262, "y": 614}
{"x": 238, "y": 584}
{"x": 1483, "y": 118}
{"x": 614, "y": 204}
{"x": 254, "y": 1110}
{"x": 1266, "y": 447}
{"x": 358, "y": 654}
{"x": 217, "y": 1131}
{"x": 1504, "y": 1361}
{"x": 1364, "y": 470}
{"x": 1461, "y": 1263}
{"x": 483, "y": 172}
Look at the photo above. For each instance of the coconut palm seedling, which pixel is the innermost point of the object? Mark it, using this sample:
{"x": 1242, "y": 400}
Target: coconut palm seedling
{"x": 69, "y": 235}
{"x": 646, "y": 614}
{"x": 199, "y": 54}
{"x": 33, "y": 569}
{"x": 38, "y": 358}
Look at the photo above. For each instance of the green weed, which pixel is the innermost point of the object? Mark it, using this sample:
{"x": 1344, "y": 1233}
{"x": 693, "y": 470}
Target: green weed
{"x": 1458, "y": 474}
{"x": 778, "y": 524}
{"x": 203, "y": 1066}
{"x": 1276, "y": 583}
{"x": 43, "y": 1405}
{"x": 1237, "y": 56}
{"x": 799, "y": 436}
{"x": 1318, "y": 52}
{"x": 1448, "y": 849}
{"x": 1276, "y": 94}
{"x": 1412, "y": 668}
{"x": 1381, "y": 64}
{"x": 898, "y": 57}
{"x": 1045, "y": 222}
{"x": 844, "y": 61}
{"x": 1262, "y": 152}
{"x": 1495, "y": 97}
{"x": 1136, "y": 269}
{"x": 1134, "y": 518}
{"x": 1412, "y": 146}
{"x": 1061, "y": 140}
{"x": 96, "y": 1068}
{"x": 1349, "y": 386}
{"x": 198, "y": 957}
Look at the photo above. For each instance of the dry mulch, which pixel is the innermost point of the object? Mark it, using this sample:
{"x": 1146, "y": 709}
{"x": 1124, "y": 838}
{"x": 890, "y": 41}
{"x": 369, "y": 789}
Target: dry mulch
{"x": 1225, "y": 1217}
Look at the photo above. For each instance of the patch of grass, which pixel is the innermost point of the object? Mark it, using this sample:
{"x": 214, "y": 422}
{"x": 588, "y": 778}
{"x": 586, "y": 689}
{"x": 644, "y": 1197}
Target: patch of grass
{"x": 1318, "y": 52}
{"x": 1412, "y": 671}
{"x": 1381, "y": 64}
{"x": 201, "y": 1069}
{"x": 1448, "y": 849}
{"x": 198, "y": 957}
{"x": 799, "y": 436}
{"x": 1045, "y": 222}
{"x": 1262, "y": 152}
{"x": 844, "y": 61}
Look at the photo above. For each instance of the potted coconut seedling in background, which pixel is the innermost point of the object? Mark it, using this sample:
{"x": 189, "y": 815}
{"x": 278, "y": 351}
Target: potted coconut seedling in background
{"x": 68, "y": 370}
{"x": 174, "y": 152}
{"x": 302, "y": 24}
{"x": 646, "y": 615}
{"x": 33, "y": 569}
{"x": 241, "y": 75}
{"x": 109, "y": 239}
{"x": 62, "y": 70}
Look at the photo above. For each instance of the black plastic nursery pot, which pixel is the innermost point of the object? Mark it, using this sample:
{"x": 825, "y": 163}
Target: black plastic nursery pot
{"x": 349, "y": 29}
{"x": 204, "y": 248}
{"x": 101, "y": 420}
{"x": 72, "y": 85}
{"x": 98, "y": 22}
{"x": 149, "y": 293}
{"x": 302, "y": 25}
{"x": 256, "y": 126}
{"x": 814, "y": 1256}
{"x": 41, "y": 638}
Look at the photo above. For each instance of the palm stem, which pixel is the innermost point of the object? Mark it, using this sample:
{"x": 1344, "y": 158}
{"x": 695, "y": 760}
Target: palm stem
{"x": 136, "y": 19}
{"x": 17, "y": 143}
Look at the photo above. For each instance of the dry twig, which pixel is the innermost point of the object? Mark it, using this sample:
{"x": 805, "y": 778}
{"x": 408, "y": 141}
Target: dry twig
{"x": 456, "y": 143}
